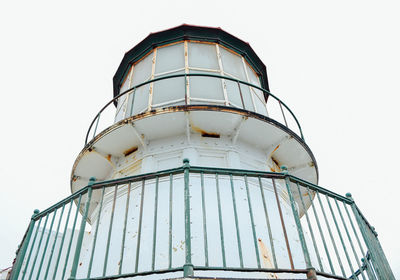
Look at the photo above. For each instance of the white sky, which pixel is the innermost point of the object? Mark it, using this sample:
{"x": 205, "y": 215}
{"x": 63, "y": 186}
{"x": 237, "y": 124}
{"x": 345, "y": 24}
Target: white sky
{"x": 335, "y": 64}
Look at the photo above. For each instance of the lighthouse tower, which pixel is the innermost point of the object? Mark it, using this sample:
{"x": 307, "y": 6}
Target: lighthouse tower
{"x": 195, "y": 169}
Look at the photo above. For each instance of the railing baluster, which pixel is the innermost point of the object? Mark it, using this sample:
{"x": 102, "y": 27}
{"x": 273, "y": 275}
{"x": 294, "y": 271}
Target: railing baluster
{"x": 283, "y": 224}
{"x": 221, "y": 229}
{"x": 31, "y": 249}
{"x": 330, "y": 234}
{"x": 170, "y": 222}
{"x": 307, "y": 259}
{"x": 379, "y": 260}
{"x": 310, "y": 228}
{"x": 38, "y": 247}
{"x": 72, "y": 236}
{"x": 121, "y": 259}
{"x": 153, "y": 260}
{"x": 139, "y": 227}
{"x": 349, "y": 238}
{"x": 358, "y": 239}
{"x": 55, "y": 241}
{"x": 236, "y": 222}
{"x": 47, "y": 243}
{"x": 95, "y": 234}
{"x": 110, "y": 231}
{"x": 188, "y": 266}
{"x": 23, "y": 249}
{"x": 320, "y": 231}
{"x": 375, "y": 260}
{"x": 252, "y": 222}
{"x": 268, "y": 223}
{"x": 340, "y": 236}
{"x": 81, "y": 233}
{"x": 63, "y": 239}
{"x": 203, "y": 208}
{"x": 283, "y": 114}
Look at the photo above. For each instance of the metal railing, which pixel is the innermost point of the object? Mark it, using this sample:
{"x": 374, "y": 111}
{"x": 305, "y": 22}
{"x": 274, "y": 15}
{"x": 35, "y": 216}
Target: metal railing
{"x": 275, "y": 108}
{"x": 332, "y": 239}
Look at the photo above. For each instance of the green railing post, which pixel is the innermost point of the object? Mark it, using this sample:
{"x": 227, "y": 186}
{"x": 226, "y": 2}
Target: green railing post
{"x": 23, "y": 248}
{"x": 82, "y": 230}
{"x": 188, "y": 266}
{"x": 379, "y": 261}
{"x": 311, "y": 273}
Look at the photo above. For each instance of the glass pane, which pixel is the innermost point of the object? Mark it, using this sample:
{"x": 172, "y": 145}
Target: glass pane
{"x": 120, "y": 108}
{"x": 253, "y": 78}
{"x": 142, "y": 70}
{"x": 170, "y": 58}
{"x": 130, "y": 103}
{"x": 126, "y": 82}
{"x": 169, "y": 89}
{"x": 141, "y": 99}
{"x": 248, "y": 103}
{"x": 259, "y": 101}
{"x": 232, "y": 64}
{"x": 232, "y": 89}
{"x": 203, "y": 56}
{"x": 206, "y": 87}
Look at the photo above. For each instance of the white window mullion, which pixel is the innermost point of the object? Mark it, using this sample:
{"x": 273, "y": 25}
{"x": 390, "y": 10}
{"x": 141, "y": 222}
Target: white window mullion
{"x": 187, "y": 90}
{"x": 250, "y": 89}
{"x": 153, "y": 68}
{"x": 221, "y": 68}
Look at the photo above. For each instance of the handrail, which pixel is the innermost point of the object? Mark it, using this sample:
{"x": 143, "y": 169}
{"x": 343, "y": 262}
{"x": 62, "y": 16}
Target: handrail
{"x": 192, "y": 75}
{"x": 197, "y": 169}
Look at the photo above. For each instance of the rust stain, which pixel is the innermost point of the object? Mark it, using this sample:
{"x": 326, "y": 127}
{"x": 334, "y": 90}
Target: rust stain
{"x": 109, "y": 157}
{"x": 130, "y": 151}
{"x": 266, "y": 259}
{"x": 275, "y": 165}
{"x": 203, "y": 132}
{"x": 211, "y": 135}
{"x": 277, "y": 147}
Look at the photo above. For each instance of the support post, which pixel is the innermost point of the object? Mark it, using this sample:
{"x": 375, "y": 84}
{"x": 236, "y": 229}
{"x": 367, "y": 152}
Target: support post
{"x": 188, "y": 266}
{"x": 311, "y": 273}
{"x": 23, "y": 248}
{"x": 82, "y": 230}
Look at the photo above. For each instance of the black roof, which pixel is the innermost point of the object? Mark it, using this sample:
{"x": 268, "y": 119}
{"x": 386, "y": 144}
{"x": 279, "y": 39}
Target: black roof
{"x": 190, "y": 32}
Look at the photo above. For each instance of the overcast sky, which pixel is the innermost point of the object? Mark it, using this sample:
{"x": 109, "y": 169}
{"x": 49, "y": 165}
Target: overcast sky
{"x": 336, "y": 64}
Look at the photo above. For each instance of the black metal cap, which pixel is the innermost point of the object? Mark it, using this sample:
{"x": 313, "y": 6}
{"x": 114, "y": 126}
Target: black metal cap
{"x": 190, "y": 32}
